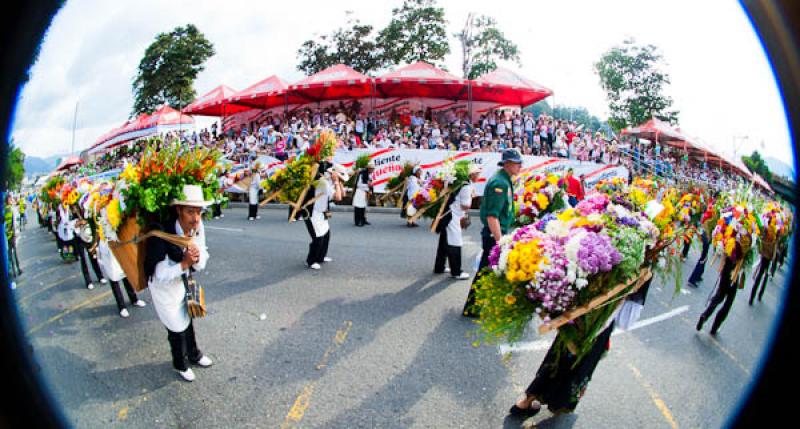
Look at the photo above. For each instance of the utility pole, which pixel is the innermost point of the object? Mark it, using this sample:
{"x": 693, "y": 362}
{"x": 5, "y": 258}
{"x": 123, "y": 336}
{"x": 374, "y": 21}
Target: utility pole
{"x": 74, "y": 123}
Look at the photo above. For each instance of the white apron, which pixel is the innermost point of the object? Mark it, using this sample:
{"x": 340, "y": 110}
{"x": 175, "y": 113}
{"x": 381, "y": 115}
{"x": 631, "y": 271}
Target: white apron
{"x": 108, "y": 263}
{"x": 318, "y": 221}
{"x": 253, "y": 190}
{"x": 360, "y": 196}
{"x": 455, "y": 237}
{"x": 166, "y": 286}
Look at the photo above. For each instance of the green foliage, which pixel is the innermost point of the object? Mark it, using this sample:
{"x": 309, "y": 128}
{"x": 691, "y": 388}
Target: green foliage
{"x": 482, "y": 44}
{"x": 756, "y": 164}
{"x": 505, "y": 311}
{"x": 394, "y": 182}
{"x": 353, "y": 45}
{"x": 15, "y": 166}
{"x": 633, "y": 82}
{"x": 415, "y": 33}
{"x": 168, "y": 69}
{"x": 579, "y": 114}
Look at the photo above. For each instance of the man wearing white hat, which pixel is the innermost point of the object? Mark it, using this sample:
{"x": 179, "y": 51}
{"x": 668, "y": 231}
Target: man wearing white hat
{"x": 450, "y": 235}
{"x": 165, "y": 266}
{"x": 360, "y": 201}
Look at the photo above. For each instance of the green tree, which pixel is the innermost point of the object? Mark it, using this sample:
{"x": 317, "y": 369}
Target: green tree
{"x": 756, "y": 164}
{"x": 580, "y": 115}
{"x": 415, "y": 33}
{"x": 353, "y": 45}
{"x": 15, "y": 166}
{"x": 168, "y": 69}
{"x": 482, "y": 45}
{"x": 631, "y": 77}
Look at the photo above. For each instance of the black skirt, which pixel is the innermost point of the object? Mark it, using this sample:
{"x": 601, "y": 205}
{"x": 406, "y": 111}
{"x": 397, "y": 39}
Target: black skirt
{"x": 558, "y": 384}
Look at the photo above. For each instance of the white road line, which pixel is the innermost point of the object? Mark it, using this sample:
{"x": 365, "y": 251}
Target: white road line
{"x": 544, "y": 344}
{"x": 225, "y": 229}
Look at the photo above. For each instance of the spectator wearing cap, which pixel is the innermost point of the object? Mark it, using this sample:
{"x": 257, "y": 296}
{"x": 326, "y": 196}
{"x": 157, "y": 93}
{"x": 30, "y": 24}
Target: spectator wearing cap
{"x": 497, "y": 215}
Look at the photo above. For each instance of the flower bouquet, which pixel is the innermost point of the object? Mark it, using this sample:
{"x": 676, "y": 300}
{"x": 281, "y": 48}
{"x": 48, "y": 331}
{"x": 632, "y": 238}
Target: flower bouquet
{"x": 291, "y": 183}
{"x": 734, "y": 237}
{"x": 145, "y": 192}
{"x": 430, "y": 200}
{"x": 773, "y": 226}
{"x": 566, "y": 269}
{"x": 396, "y": 186}
{"x": 535, "y": 196}
{"x": 360, "y": 163}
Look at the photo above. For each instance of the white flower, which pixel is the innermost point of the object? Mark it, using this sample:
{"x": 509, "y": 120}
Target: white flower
{"x": 502, "y": 263}
{"x": 581, "y": 283}
{"x": 557, "y": 228}
{"x": 594, "y": 218}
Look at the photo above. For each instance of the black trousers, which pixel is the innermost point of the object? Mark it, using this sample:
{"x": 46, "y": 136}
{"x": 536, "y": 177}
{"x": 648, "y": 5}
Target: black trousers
{"x": 216, "y": 210}
{"x": 686, "y": 246}
{"x": 83, "y": 254}
{"x": 697, "y": 274}
{"x": 449, "y": 254}
{"x": 183, "y": 345}
{"x": 360, "y": 215}
{"x": 118, "y": 293}
{"x": 726, "y": 292}
{"x": 761, "y": 277}
{"x": 318, "y": 248}
{"x": 487, "y": 243}
{"x": 252, "y": 210}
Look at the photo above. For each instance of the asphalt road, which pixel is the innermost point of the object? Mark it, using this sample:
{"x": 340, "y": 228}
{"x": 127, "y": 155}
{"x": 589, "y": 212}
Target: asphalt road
{"x": 373, "y": 340}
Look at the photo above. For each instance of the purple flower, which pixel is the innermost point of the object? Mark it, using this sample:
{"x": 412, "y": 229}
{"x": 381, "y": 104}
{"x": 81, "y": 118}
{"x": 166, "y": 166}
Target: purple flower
{"x": 494, "y": 256}
{"x": 597, "y": 254}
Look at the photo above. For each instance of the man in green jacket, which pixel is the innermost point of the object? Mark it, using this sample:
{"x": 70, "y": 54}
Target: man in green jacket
{"x": 497, "y": 215}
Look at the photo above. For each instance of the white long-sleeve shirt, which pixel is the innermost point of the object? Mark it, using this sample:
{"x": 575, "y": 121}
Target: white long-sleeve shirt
{"x": 166, "y": 286}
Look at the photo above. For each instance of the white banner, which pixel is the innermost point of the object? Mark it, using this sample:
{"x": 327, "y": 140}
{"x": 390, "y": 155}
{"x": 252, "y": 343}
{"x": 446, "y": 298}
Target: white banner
{"x": 389, "y": 163}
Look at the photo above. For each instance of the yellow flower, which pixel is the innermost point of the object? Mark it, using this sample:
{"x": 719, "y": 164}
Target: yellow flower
{"x": 729, "y": 246}
{"x": 542, "y": 201}
{"x": 552, "y": 179}
{"x": 113, "y": 213}
{"x": 511, "y": 299}
{"x": 566, "y": 215}
{"x": 130, "y": 174}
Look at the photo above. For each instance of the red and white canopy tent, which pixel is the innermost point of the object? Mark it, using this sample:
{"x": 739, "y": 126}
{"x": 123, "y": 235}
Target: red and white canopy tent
{"x": 508, "y": 88}
{"x": 339, "y": 82}
{"x": 162, "y": 120}
{"x": 215, "y": 103}
{"x": 69, "y": 162}
{"x": 264, "y": 94}
{"x": 420, "y": 80}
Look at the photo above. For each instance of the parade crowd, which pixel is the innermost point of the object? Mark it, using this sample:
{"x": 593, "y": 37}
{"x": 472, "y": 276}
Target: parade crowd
{"x": 85, "y": 217}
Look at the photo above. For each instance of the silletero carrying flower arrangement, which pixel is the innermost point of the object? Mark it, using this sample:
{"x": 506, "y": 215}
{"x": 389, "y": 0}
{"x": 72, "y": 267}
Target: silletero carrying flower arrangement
{"x": 289, "y": 182}
{"x": 150, "y": 186}
{"x": 428, "y": 200}
{"x": 561, "y": 263}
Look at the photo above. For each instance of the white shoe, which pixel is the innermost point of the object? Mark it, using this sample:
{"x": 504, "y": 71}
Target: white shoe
{"x": 103, "y": 281}
{"x": 327, "y": 259}
{"x": 462, "y": 276}
{"x": 205, "y": 362}
{"x": 124, "y": 313}
{"x": 13, "y": 285}
{"x": 314, "y": 266}
{"x": 90, "y": 286}
{"x": 258, "y": 217}
{"x": 251, "y": 218}
{"x": 447, "y": 269}
{"x": 187, "y": 375}
{"x": 139, "y": 303}
{"x": 222, "y": 215}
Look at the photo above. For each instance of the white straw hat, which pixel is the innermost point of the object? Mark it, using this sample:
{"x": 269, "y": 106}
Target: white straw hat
{"x": 193, "y": 196}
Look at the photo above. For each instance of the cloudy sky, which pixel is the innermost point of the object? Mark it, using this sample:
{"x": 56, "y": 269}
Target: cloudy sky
{"x": 722, "y": 83}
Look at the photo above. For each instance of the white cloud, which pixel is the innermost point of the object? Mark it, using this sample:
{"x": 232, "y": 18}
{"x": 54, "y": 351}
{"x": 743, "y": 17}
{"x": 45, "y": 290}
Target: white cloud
{"x": 721, "y": 81}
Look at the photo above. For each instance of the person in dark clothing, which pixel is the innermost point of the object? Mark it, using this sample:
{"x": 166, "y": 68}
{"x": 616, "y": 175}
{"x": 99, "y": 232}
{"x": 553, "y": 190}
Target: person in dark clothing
{"x": 497, "y": 214}
{"x": 726, "y": 291}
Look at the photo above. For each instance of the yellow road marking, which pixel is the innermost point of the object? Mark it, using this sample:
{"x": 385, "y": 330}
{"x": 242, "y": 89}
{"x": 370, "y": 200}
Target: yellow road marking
{"x": 68, "y": 311}
{"x": 654, "y": 396}
{"x": 50, "y": 286}
{"x": 123, "y": 413}
{"x": 303, "y": 400}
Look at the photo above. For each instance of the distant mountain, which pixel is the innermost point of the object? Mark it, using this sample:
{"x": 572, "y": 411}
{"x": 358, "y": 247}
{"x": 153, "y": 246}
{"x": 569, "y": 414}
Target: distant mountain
{"x": 35, "y": 165}
{"x": 779, "y": 167}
